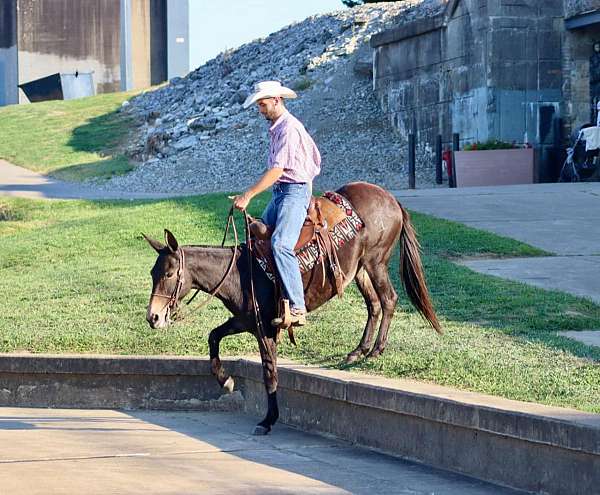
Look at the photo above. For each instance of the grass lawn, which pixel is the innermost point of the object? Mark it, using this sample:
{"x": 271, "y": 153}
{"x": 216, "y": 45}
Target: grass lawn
{"x": 71, "y": 140}
{"x": 74, "y": 277}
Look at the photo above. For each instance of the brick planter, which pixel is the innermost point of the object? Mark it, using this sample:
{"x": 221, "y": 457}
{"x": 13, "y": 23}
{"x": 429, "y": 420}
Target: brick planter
{"x": 494, "y": 167}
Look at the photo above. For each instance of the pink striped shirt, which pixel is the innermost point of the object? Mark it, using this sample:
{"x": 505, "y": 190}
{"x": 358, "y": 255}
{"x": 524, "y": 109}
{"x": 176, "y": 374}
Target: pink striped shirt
{"x": 293, "y": 150}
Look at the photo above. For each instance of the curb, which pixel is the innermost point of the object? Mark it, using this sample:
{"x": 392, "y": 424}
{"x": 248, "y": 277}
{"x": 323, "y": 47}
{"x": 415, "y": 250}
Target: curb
{"x": 525, "y": 446}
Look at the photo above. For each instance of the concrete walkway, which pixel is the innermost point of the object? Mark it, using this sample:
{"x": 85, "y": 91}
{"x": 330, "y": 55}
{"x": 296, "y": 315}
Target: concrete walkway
{"x": 563, "y": 219}
{"x": 54, "y": 451}
{"x": 18, "y": 181}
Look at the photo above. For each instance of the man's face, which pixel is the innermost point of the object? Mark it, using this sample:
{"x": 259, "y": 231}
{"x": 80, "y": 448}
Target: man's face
{"x": 269, "y": 107}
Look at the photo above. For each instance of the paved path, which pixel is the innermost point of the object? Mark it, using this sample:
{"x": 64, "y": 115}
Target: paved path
{"x": 17, "y": 181}
{"x": 563, "y": 219}
{"x": 104, "y": 452}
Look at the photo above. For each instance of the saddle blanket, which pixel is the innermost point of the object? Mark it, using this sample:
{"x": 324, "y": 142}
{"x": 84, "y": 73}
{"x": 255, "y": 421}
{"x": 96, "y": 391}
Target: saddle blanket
{"x": 309, "y": 255}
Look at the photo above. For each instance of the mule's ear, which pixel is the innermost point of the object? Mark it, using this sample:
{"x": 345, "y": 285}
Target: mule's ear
{"x": 171, "y": 241}
{"x": 158, "y": 246}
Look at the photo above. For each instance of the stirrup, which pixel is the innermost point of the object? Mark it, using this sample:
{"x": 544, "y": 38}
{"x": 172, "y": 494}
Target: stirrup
{"x": 284, "y": 320}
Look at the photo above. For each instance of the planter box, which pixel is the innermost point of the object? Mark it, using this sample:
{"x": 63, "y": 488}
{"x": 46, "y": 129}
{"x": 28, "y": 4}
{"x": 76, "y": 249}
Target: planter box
{"x": 494, "y": 167}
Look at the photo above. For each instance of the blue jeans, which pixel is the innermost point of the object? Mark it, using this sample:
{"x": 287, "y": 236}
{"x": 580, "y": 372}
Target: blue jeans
{"x": 286, "y": 213}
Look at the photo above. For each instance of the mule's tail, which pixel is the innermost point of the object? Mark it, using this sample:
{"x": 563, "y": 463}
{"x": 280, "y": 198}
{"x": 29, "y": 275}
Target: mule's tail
{"x": 411, "y": 271}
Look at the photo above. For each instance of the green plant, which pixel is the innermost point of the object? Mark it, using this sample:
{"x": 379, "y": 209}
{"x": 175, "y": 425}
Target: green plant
{"x": 302, "y": 84}
{"x": 492, "y": 144}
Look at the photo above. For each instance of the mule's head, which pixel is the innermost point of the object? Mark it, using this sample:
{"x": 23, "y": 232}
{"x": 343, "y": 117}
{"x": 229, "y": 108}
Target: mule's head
{"x": 170, "y": 282}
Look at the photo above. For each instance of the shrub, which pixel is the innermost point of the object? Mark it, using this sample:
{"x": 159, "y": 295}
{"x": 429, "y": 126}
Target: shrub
{"x": 492, "y": 144}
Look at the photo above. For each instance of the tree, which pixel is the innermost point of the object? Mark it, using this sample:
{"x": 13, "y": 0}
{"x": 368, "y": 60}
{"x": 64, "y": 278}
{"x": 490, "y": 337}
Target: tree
{"x": 354, "y": 3}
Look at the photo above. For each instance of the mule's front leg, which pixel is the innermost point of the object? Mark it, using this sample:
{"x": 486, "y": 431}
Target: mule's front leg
{"x": 230, "y": 327}
{"x": 268, "y": 355}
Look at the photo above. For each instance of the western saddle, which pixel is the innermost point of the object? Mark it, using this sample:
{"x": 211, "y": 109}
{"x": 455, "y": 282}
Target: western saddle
{"x": 321, "y": 217}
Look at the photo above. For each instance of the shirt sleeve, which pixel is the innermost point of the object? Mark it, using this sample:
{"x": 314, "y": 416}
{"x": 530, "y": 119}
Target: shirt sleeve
{"x": 285, "y": 150}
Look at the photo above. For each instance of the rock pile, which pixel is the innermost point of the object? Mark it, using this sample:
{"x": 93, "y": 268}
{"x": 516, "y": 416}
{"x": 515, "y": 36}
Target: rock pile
{"x": 195, "y": 137}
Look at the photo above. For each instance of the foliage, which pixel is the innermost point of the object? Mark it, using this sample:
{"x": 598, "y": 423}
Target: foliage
{"x": 492, "y": 144}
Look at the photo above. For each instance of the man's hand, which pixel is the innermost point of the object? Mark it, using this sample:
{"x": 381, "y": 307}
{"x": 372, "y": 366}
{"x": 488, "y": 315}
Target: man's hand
{"x": 241, "y": 202}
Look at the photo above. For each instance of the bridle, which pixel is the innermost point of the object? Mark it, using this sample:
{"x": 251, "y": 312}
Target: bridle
{"x": 173, "y": 299}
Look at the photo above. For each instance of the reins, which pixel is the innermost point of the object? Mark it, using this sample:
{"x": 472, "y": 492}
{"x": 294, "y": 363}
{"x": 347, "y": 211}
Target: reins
{"x": 173, "y": 299}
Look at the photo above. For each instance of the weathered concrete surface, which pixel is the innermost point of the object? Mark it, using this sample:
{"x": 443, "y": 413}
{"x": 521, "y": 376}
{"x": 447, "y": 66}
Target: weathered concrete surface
{"x": 527, "y": 446}
{"x": 104, "y": 452}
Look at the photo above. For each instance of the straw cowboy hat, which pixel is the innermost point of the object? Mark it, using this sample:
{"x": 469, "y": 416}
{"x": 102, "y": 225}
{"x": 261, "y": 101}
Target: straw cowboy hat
{"x": 268, "y": 89}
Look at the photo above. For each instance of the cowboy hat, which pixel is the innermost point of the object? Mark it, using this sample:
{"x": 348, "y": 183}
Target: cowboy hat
{"x": 268, "y": 89}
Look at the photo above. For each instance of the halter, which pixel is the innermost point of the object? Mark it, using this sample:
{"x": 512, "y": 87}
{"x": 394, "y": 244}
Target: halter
{"x": 173, "y": 299}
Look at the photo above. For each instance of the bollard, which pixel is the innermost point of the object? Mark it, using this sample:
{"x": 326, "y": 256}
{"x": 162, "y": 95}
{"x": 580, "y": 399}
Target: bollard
{"x": 455, "y": 147}
{"x": 438, "y": 159}
{"x": 411, "y": 161}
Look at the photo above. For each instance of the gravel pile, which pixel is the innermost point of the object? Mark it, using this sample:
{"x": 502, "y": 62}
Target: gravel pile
{"x": 194, "y": 136}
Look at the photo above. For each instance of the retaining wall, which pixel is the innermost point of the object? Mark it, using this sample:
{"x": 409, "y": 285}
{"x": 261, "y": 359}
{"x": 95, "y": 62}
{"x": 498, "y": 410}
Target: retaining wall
{"x": 526, "y": 446}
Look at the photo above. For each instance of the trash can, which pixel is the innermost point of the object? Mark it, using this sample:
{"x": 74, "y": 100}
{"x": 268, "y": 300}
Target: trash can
{"x": 60, "y": 86}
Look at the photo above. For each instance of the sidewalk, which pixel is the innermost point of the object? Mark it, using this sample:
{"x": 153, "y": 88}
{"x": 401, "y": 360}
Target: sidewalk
{"x": 563, "y": 219}
{"x": 104, "y": 452}
{"x": 18, "y": 181}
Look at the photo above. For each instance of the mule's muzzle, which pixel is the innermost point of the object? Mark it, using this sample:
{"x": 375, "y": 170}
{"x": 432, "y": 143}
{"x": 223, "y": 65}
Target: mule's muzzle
{"x": 157, "y": 319}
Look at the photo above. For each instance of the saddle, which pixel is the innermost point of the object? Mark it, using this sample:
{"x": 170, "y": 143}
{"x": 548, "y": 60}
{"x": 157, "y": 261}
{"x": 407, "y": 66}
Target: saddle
{"x": 322, "y": 215}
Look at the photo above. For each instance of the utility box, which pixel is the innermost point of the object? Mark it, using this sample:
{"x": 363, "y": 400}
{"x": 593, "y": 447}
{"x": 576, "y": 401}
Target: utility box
{"x": 60, "y": 87}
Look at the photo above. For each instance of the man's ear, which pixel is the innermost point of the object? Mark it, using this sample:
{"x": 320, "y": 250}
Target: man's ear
{"x": 171, "y": 241}
{"x": 158, "y": 246}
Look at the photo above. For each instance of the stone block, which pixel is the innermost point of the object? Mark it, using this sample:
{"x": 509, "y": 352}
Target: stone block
{"x": 550, "y": 76}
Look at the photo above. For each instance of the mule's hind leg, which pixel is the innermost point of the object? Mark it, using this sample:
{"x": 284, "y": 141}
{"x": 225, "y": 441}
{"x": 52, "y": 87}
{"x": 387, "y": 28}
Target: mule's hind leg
{"x": 378, "y": 272}
{"x": 365, "y": 286}
{"x": 230, "y": 327}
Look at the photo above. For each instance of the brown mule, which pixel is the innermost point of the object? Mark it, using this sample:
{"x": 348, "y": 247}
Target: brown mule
{"x": 180, "y": 269}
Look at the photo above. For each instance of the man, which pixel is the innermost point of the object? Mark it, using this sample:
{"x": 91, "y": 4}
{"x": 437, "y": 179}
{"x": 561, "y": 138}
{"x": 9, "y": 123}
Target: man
{"x": 293, "y": 163}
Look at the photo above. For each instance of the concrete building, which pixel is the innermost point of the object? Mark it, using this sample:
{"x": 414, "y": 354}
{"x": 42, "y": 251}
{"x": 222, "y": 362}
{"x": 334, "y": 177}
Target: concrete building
{"x": 519, "y": 71}
{"x": 124, "y": 44}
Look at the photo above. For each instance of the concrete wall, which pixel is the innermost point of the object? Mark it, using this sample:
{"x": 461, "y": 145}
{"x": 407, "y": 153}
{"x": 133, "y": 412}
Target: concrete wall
{"x": 49, "y": 36}
{"x": 178, "y": 43}
{"x": 8, "y": 53}
{"x": 528, "y": 446}
{"x": 68, "y": 36}
{"x": 486, "y": 69}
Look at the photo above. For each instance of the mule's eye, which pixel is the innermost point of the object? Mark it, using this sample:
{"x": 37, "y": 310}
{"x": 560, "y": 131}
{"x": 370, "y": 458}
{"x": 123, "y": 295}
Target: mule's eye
{"x": 170, "y": 274}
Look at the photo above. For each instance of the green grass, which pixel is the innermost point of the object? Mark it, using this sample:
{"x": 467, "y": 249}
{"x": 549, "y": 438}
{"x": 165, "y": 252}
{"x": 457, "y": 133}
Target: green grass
{"x": 74, "y": 277}
{"x": 71, "y": 140}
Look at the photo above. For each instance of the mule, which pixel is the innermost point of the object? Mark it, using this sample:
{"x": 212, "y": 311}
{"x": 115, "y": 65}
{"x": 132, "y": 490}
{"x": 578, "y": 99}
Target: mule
{"x": 179, "y": 269}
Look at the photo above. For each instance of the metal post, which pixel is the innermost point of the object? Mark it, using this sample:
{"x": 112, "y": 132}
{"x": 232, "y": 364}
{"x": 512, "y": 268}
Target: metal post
{"x": 126, "y": 47}
{"x": 411, "y": 161}
{"x": 455, "y": 147}
{"x": 438, "y": 159}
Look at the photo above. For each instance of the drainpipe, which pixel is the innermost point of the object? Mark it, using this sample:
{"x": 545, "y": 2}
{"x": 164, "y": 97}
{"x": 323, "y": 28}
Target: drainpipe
{"x": 126, "y": 62}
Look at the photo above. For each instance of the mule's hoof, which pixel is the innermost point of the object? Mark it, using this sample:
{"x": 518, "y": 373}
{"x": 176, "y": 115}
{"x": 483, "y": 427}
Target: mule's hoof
{"x": 374, "y": 354}
{"x": 229, "y": 385}
{"x": 261, "y": 430}
{"x": 353, "y": 357}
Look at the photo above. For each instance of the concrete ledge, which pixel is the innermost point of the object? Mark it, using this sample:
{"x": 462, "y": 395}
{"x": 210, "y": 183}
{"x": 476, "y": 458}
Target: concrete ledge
{"x": 409, "y": 30}
{"x": 522, "y": 445}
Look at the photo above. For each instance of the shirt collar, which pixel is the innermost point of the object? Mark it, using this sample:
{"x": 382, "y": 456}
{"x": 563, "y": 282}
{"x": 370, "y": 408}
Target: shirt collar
{"x": 282, "y": 118}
